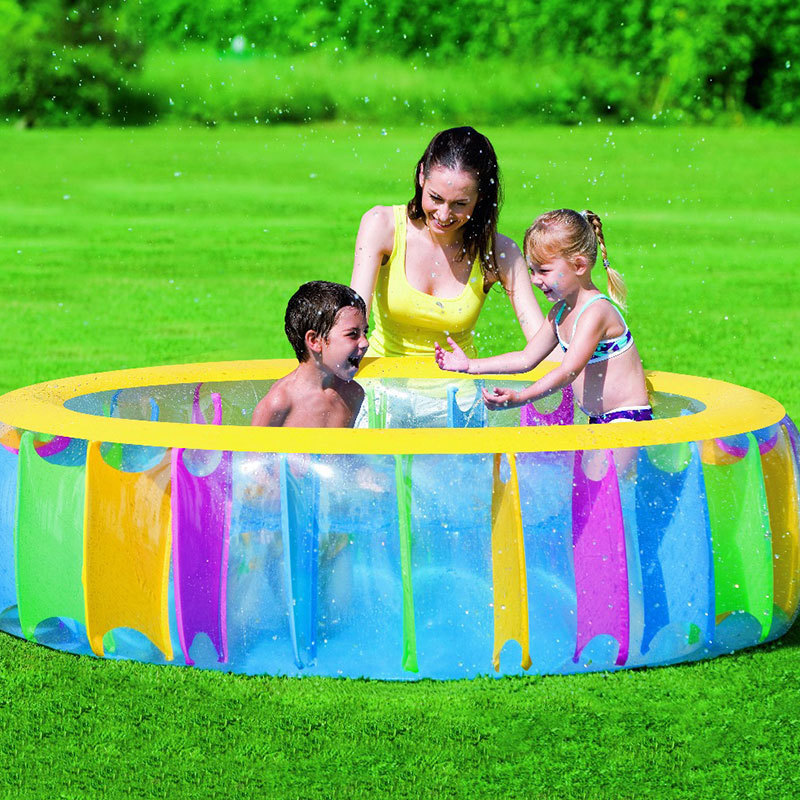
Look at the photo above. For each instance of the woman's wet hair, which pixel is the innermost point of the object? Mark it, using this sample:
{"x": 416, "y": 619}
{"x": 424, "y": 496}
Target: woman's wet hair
{"x": 466, "y": 149}
{"x": 565, "y": 233}
{"x": 314, "y": 307}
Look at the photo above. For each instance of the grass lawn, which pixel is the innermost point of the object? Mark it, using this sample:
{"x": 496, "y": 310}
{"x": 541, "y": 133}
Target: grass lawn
{"x": 124, "y": 248}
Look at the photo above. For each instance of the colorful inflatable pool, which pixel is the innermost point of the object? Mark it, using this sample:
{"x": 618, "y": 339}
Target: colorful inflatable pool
{"x": 142, "y": 517}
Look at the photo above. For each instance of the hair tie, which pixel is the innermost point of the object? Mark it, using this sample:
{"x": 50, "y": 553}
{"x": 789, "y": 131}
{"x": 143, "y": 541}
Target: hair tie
{"x": 605, "y": 263}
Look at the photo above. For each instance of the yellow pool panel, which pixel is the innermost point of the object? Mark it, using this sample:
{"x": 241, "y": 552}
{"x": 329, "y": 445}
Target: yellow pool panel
{"x": 126, "y": 551}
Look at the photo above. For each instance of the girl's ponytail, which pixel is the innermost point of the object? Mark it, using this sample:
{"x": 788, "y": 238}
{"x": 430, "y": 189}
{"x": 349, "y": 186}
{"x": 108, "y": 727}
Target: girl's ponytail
{"x": 616, "y": 286}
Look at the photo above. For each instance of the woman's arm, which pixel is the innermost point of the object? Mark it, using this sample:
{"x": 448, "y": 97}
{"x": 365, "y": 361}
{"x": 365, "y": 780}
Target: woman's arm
{"x": 374, "y": 242}
{"x": 513, "y": 274}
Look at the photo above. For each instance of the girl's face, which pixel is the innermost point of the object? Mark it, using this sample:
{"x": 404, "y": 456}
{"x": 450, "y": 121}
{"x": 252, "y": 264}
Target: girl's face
{"x": 555, "y": 278}
{"x": 449, "y": 197}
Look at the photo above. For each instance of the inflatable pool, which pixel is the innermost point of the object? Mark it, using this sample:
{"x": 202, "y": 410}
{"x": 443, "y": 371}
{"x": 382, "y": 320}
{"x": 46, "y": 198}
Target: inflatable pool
{"x": 141, "y": 517}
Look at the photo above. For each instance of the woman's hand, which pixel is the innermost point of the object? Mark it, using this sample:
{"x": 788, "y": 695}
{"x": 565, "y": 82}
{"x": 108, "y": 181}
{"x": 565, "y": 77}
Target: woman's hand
{"x": 499, "y": 399}
{"x": 456, "y": 361}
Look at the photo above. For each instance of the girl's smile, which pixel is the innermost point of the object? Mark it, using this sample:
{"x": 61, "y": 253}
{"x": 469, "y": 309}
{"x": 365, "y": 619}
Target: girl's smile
{"x": 555, "y": 279}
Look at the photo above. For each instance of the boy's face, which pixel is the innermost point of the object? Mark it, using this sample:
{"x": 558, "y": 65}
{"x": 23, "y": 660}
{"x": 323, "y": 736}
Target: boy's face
{"x": 345, "y": 345}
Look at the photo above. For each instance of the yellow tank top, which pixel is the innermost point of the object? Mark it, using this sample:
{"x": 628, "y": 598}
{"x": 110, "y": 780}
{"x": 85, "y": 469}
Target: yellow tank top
{"x": 407, "y": 321}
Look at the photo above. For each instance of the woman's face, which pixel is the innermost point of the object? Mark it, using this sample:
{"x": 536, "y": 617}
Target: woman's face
{"x": 449, "y": 197}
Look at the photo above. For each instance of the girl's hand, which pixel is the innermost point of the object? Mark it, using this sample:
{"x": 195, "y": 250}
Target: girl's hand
{"x": 499, "y": 399}
{"x": 456, "y": 361}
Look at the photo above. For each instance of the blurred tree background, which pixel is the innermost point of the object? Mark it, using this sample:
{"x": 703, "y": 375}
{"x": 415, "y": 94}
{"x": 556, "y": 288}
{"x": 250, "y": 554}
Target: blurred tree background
{"x": 263, "y": 61}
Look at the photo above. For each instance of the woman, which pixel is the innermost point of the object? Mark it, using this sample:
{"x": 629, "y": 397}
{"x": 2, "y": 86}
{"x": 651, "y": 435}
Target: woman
{"x": 429, "y": 265}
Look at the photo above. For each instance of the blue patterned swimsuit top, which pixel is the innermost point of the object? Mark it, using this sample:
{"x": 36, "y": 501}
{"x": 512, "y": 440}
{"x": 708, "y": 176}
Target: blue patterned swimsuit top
{"x": 606, "y": 348}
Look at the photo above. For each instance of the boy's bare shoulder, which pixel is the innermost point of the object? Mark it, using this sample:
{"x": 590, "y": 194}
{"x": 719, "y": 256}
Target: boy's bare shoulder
{"x": 275, "y": 406}
{"x": 353, "y": 395}
{"x": 353, "y": 392}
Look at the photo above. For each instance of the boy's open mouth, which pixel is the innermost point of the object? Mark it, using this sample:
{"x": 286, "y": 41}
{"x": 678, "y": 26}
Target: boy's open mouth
{"x": 355, "y": 360}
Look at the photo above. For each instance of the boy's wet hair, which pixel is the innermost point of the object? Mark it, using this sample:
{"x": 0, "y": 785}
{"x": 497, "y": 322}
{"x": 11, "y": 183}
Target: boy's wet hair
{"x": 314, "y": 307}
{"x": 465, "y": 149}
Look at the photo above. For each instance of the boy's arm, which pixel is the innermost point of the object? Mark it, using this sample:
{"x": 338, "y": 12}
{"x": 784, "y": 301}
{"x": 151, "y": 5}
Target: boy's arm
{"x": 273, "y": 408}
{"x": 537, "y": 349}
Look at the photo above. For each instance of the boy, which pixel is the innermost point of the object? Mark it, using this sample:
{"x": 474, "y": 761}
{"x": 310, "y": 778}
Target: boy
{"x": 326, "y": 325}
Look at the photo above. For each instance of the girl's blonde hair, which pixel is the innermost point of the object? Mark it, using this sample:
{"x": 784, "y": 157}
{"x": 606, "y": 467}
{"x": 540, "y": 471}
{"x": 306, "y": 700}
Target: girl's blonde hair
{"x": 565, "y": 233}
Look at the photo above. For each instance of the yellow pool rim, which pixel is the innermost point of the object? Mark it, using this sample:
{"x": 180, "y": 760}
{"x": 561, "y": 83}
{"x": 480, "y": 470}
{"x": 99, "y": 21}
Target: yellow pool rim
{"x": 729, "y": 410}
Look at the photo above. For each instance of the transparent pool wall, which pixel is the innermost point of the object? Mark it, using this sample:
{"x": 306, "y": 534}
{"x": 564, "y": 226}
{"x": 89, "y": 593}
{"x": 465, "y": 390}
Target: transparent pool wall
{"x": 383, "y": 566}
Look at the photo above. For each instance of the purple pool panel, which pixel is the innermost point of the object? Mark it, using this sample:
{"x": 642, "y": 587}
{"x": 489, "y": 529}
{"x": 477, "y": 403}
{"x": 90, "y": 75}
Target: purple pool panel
{"x": 198, "y": 418}
{"x": 201, "y": 518}
{"x": 9, "y": 464}
{"x": 564, "y": 414}
{"x": 598, "y": 541}
{"x": 598, "y": 546}
{"x": 201, "y": 521}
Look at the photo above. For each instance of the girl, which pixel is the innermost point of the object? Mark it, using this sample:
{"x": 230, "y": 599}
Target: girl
{"x": 599, "y": 354}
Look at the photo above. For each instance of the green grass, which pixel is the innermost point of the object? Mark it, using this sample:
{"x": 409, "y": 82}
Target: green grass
{"x": 124, "y": 248}
{"x": 723, "y": 728}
